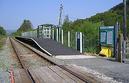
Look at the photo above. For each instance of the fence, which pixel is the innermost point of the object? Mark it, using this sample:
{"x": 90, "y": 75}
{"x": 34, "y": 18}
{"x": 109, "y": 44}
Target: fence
{"x": 69, "y": 39}
{"x": 90, "y": 44}
{"x": 30, "y": 34}
{"x": 72, "y": 39}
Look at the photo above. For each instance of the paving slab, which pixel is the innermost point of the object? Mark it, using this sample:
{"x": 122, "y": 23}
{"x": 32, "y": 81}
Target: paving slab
{"x": 117, "y": 71}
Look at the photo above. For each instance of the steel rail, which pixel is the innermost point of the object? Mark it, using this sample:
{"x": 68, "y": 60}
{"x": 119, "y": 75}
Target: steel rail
{"x": 22, "y": 64}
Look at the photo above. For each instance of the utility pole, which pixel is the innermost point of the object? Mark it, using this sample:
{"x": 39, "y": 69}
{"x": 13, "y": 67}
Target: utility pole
{"x": 60, "y": 17}
{"x": 60, "y": 22}
{"x": 124, "y": 29}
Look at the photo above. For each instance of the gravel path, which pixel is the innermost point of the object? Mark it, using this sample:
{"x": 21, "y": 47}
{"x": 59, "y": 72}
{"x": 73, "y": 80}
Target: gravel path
{"x": 8, "y": 57}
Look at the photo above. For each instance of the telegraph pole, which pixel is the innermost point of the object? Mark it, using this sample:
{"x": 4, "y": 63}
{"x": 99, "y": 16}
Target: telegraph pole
{"x": 60, "y": 17}
{"x": 124, "y": 29}
{"x": 60, "y": 22}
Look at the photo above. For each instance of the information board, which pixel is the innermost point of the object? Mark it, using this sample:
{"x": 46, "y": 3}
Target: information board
{"x": 107, "y": 35}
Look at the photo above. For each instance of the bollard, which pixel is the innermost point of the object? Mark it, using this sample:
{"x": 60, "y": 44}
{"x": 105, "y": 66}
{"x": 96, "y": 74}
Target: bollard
{"x": 79, "y": 41}
{"x": 57, "y": 35}
{"x": 68, "y": 38}
{"x": 53, "y": 34}
{"x": 62, "y": 38}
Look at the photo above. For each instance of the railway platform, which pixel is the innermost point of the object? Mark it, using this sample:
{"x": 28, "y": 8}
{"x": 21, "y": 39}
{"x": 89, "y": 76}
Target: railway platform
{"x": 50, "y": 46}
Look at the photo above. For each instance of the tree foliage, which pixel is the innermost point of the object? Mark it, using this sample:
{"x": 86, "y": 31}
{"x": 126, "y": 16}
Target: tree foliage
{"x": 109, "y": 18}
{"x": 26, "y": 26}
{"x": 2, "y": 31}
{"x": 88, "y": 28}
{"x": 67, "y": 24}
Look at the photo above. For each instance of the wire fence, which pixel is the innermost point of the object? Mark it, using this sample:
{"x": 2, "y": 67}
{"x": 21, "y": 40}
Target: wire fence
{"x": 73, "y": 40}
{"x": 65, "y": 38}
{"x": 70, "y": 40}
{"x": 90, "y": 45}
{"x": 30, "y": 34}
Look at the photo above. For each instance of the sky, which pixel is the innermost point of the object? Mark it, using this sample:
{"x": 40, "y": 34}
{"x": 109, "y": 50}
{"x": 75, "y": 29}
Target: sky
{"x": 13, "y": 12}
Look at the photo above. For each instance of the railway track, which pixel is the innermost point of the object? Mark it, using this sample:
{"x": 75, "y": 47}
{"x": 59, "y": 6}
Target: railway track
{"x": 31, "y": 80}
{"x": 31, "y": 58}
{"x": 25, "y": 56}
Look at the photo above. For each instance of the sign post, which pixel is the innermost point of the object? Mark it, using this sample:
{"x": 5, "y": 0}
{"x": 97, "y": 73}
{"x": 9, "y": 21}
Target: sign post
{"x": 57, "y": 35}
{"x": 62, "y": 37}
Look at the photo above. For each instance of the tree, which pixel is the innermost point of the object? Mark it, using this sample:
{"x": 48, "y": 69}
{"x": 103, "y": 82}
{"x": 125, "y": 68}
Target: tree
{"x": 67, "y": 24}
{"x": 112, "y": 16}
{"x": 26, "y": 26}
{"x": 2, "y": 31}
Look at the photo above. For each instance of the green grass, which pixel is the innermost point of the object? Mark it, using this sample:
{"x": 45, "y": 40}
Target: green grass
{"x": 90, "y": 50}
{"x": 128, "y": 56}
{"x": 2, "y": 39}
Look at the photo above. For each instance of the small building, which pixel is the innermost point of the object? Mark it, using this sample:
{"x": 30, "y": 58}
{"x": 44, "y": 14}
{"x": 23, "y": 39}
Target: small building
{"x": 45, "y": 30}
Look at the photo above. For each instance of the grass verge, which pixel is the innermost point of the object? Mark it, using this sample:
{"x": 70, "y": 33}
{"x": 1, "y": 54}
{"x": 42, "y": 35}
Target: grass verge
{"x": 2, "y": 41}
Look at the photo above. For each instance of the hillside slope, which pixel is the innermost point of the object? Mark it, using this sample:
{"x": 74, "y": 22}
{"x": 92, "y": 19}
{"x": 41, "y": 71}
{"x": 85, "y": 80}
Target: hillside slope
{"x": 111, "y": 16}
{"x": 26, "y": 26}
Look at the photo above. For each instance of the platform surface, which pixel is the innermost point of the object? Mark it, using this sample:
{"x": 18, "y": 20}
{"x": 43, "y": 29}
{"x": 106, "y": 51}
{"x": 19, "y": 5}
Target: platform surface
{"x": 55, "y": 48}
{"x": 115, "y": 70}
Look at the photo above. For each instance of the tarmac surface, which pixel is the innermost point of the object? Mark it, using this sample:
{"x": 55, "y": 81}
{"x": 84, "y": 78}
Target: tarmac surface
{"x": 117, "y": 71}
{"x": 55, "y": 48}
